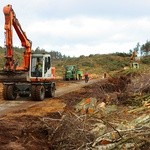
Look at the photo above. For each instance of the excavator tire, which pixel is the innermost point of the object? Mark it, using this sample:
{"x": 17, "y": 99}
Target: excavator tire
{"x": 40, "y": 93}
{"x": 47, "y": 93}
{"x": 4, "y": 92}
{"x": 33, "y": 92}
{"x": 51, "y": 92}
{"x": 11, "y": 94}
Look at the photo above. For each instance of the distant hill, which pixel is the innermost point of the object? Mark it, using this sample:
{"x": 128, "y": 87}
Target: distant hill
{"x": 94, "y": 64}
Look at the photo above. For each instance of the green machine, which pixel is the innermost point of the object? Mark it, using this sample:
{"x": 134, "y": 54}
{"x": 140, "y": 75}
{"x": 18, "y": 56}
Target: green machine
{"x": 72, "y": 73}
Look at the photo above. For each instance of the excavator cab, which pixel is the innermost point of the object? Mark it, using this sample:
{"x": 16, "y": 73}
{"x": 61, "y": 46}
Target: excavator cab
{"x": 40, "y": 67}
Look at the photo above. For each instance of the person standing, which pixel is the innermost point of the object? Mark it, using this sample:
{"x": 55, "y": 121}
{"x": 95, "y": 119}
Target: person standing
{"x": 86, "y": 77}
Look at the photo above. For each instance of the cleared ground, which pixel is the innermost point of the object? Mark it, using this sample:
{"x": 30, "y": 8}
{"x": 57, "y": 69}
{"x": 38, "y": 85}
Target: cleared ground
{"x": 56, "y": 124}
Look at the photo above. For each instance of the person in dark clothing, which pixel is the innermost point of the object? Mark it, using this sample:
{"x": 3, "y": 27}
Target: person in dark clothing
{"x": 38, "y": 68}
{"x": 86, "y": 77}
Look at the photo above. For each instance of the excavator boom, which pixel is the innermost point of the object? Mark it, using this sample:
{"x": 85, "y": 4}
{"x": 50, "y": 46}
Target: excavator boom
{"x": 12, "y": 22}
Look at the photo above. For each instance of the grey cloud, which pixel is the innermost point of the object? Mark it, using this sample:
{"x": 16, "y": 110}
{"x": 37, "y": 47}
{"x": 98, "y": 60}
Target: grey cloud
{"x": 105, "y": 8}
{"x": 32, "y": 11}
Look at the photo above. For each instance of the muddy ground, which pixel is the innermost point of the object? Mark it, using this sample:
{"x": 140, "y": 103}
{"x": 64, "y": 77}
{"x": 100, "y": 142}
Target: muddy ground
{"x": 57, "y": 124}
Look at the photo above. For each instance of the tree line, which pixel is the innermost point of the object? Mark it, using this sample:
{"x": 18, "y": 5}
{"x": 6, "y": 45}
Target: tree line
{"x": 143, "y": 49}
{"x": 54, "y": 54}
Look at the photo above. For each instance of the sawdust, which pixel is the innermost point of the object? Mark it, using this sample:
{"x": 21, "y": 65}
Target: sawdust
{"x": 49, "y": 106}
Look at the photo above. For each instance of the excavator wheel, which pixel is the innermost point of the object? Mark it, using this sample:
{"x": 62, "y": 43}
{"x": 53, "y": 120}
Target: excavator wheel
{"x": 33, "y": 92}
{"x": 11, "y": 94}
{"x": 51, "y": 91}
{"x": 40, "y": 93}
{"x": 5, "y": 87}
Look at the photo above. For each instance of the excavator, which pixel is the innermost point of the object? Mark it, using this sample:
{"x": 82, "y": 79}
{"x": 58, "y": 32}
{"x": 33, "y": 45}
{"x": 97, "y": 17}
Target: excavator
{"x": 133, "y": 60}
{"x": 25, "y": 80}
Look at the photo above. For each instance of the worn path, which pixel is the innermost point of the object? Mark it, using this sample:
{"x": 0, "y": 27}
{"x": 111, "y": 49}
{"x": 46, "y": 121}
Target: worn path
{"x": 24, "y": 103}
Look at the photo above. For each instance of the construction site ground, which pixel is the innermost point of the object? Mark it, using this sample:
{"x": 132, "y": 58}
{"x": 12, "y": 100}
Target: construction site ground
{"x": 110, "y": 113}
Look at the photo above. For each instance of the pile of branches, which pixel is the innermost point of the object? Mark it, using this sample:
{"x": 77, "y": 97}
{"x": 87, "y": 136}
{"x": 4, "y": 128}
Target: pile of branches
{"x": 133, "y": 135}
{"x": 116, "y": 84}
{"x": 57, "y": 131}
{"x": 110, "y": 90}
{"x": 73, "y": 131}
{"x": 127, "y": 139}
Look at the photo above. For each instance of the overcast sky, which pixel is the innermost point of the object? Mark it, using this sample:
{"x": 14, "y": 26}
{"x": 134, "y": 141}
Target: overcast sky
{"x": 81, "y": 27}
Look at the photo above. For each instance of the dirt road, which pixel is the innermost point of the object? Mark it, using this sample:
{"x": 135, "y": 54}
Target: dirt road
{"x": 24, "y": 103}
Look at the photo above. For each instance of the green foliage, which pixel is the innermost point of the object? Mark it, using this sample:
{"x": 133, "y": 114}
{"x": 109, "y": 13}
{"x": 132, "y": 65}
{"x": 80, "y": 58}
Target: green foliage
{"x": 146, "y": 48}
{"x": 54, "y": 54}
{"x": 145, "y": 60}
{"x": 121, "y": 54}
{"x": 88, "y": 64}
{"x": 112, "y": 63}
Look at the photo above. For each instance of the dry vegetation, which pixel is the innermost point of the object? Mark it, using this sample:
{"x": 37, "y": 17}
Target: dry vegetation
{"x": 123, "y": 122}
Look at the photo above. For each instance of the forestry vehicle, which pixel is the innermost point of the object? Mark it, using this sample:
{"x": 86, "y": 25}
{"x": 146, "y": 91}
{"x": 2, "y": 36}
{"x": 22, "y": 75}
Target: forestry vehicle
{"x": 27, "y": 79}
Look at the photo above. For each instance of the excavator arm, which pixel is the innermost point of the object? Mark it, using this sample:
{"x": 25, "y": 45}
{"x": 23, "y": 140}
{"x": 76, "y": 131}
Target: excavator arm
{"x": 132, "y": 58}
{"x": 10, "y": 22}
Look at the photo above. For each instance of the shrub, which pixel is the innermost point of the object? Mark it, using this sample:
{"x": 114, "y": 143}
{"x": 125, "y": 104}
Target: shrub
{"x": 145, "y": 60}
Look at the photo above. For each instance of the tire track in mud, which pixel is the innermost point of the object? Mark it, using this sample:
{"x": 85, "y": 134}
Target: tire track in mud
{"x": 24, "y": 103}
